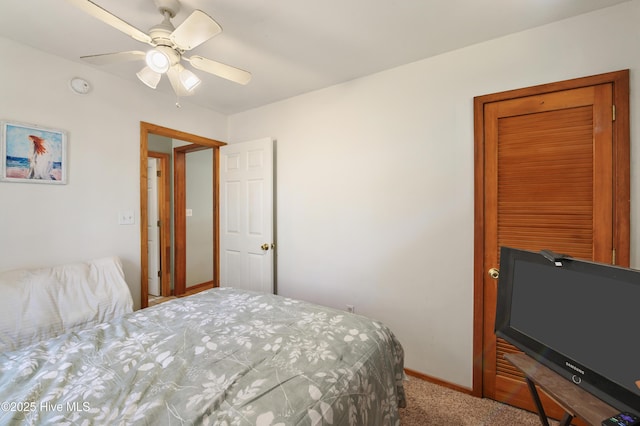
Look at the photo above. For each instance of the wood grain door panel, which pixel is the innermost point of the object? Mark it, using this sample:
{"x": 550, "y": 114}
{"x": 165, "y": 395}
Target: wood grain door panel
{"x": 548, "y": 176}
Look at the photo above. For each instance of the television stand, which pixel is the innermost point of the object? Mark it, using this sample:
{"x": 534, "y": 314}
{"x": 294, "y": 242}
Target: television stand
{"x": 575, "y": 401}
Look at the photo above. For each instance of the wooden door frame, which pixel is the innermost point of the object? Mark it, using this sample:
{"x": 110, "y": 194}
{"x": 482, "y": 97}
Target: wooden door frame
{"x": 145, "y": 130}
{"x": 621, "y": 216}
{"x": 164, "y": 215}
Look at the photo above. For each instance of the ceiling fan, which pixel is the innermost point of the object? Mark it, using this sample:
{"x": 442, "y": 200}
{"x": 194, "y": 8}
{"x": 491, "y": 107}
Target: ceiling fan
{"x": 169, "y": 45}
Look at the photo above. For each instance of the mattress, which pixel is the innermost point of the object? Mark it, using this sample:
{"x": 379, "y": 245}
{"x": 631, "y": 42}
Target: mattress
{"x": 221, "y": 357}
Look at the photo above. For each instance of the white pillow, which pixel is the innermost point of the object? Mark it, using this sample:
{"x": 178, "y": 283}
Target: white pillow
{"x": 36, "y": 304}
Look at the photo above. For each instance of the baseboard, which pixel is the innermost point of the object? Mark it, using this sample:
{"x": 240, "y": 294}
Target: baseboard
{"x": 438, "y": 381}
{"x": 198, "y": 288}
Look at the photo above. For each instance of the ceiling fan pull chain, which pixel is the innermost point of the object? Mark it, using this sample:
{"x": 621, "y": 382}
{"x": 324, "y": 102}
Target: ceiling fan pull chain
{"x": 178, "y": 101}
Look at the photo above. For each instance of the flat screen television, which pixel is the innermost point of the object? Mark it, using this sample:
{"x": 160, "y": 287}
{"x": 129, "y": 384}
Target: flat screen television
{"x": 579, "y": 318}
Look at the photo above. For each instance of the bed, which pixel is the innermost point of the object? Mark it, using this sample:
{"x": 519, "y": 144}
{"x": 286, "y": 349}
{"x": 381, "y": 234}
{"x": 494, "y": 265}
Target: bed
{"x": 221, "y": 357}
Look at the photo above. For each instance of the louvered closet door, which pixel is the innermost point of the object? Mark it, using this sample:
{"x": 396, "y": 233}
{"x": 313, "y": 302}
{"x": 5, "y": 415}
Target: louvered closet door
{"x": 548, "y": 166}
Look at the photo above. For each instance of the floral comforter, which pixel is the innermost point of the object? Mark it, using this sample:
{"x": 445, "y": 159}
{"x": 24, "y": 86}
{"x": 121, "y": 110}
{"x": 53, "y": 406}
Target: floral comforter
{"x": 221, "y": 357}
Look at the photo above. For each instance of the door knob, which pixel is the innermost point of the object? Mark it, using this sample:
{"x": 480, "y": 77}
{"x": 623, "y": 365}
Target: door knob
{"x": 494, "y": 273}
{"x": 265, "y": 247}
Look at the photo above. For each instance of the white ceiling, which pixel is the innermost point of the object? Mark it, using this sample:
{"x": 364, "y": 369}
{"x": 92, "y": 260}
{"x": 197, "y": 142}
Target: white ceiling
{"x": 290, "y": 46}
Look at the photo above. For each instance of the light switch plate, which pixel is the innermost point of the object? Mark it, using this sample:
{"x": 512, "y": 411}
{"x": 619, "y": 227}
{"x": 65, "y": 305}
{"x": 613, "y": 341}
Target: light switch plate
{"x": 126, "y": 217}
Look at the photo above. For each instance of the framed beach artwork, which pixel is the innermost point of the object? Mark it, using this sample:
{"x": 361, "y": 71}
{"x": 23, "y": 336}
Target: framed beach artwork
{"x": 33, "y": 154}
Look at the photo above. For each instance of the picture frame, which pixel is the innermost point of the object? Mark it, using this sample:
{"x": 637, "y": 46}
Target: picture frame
{"x": 32, "y": 154}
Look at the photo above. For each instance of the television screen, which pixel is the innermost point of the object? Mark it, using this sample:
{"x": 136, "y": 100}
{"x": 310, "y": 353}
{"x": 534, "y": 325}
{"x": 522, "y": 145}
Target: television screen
{"x": 579, "y": 318}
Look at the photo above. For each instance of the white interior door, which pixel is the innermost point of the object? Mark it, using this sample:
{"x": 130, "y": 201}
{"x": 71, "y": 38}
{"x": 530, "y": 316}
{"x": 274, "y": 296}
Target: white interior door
{"x": 246, "y": 215}
{"x": 153, "y": 240}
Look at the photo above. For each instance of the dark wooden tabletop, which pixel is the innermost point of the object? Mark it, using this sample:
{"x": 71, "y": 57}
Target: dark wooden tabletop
{"x": 575, "y": 400}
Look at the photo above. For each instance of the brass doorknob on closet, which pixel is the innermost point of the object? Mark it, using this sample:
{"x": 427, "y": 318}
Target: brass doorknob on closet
{"x": 494, "y": 273}
{"x": 265, "y": 247}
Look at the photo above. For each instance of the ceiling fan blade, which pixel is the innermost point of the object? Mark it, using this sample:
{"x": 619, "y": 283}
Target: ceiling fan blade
{"x": 110, "y": 19}
{"x": 221, "y": 70}
{"x": 174, "y": 78}
{"x": 195, "y": 30}
{"x": 111, "y": 58}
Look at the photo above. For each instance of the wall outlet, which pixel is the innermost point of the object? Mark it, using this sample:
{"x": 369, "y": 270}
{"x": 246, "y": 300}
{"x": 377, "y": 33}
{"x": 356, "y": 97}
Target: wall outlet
{"x": 351, "y": 309}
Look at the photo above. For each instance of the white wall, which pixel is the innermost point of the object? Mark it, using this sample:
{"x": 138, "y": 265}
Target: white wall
{"x": 50, "y": 224}
{"x": 375, "y": 179}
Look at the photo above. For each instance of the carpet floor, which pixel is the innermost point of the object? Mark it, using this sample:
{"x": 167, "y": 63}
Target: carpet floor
{"x": 431, "y": 404}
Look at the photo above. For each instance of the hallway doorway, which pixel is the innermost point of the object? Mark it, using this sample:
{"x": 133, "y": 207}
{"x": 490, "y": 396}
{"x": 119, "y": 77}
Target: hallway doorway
{"x": 176, "y": 138}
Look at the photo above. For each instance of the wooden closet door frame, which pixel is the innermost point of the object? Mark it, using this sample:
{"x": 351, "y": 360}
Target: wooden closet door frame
{"x": 621, "y": 214}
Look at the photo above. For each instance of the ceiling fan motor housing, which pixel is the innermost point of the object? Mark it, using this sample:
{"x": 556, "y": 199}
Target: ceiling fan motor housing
{"x": 160, "y": 33}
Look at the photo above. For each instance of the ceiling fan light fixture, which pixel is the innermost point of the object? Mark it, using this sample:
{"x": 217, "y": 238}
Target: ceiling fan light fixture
{"x": 149, "y": 77}
{"x": 168, "y": 45}
{"x": 188, "y": 79}
{"x": 158, "y": 61}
